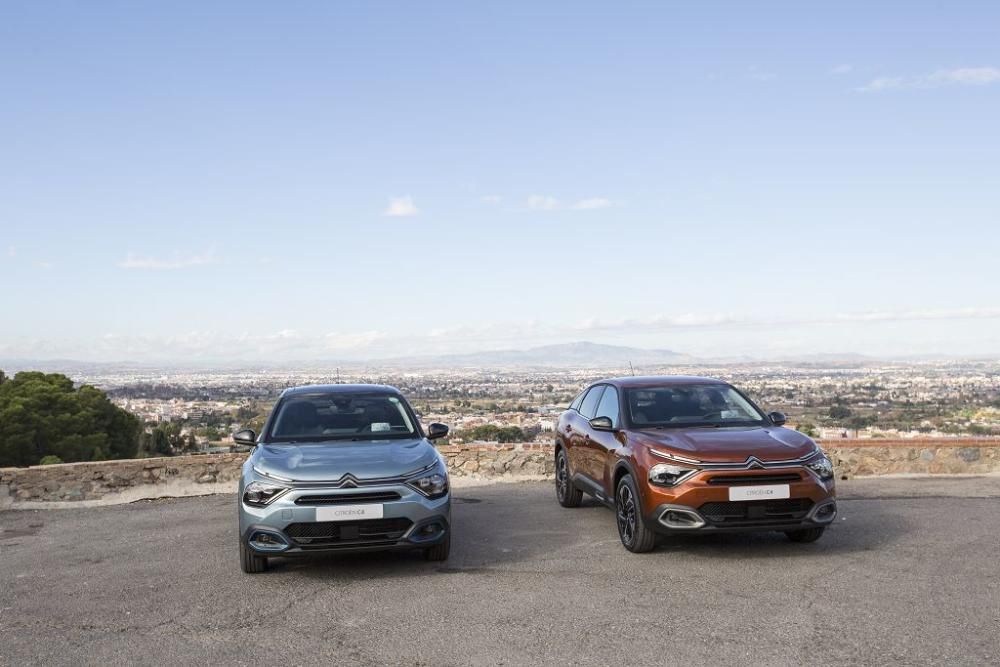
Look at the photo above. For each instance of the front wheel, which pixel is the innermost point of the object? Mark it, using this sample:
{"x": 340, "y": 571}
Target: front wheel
{"x": 567, "y": 494}
{"x": 250, "y": 562}
{"x": 439, "y": 552}
{"x": 632, "y": 530}
{"x": 805, "y": 534}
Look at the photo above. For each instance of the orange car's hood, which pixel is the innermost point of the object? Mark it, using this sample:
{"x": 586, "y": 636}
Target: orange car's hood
{"x": 728, "y": 444}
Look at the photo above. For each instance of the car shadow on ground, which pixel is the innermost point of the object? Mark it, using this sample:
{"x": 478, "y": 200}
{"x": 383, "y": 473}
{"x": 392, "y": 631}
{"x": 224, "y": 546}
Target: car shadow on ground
{"x": 862, "y": 524}
{"x": 491, "y": 535}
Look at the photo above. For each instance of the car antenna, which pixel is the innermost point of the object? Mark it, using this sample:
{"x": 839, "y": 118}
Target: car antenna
{"x": 630, "y": 367}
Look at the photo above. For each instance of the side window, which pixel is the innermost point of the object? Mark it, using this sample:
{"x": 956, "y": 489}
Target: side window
{"x": 589, "y": 406}
{"x": 575, "y": 405}
{"x": 609, "y": 405}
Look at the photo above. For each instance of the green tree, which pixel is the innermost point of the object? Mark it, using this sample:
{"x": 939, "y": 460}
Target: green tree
{"x": 161, "y": 443}
{"x": 44, "y": 415}
{"x": 840, "y": 412}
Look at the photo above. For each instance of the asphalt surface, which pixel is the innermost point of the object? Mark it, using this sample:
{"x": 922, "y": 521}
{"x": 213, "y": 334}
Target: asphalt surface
{"x": 909, "y": 575}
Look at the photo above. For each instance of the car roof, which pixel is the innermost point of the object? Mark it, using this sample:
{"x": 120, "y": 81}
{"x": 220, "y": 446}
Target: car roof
{"x": 340, "y": 389}
{"x": 658, "y": 381}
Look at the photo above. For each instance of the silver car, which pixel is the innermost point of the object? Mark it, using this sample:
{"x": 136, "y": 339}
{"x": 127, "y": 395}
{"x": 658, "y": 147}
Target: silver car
{"x": 342, "y": 468}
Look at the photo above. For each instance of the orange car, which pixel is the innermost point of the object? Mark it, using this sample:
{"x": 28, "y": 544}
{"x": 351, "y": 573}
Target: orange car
{"x": 688, "y": 455}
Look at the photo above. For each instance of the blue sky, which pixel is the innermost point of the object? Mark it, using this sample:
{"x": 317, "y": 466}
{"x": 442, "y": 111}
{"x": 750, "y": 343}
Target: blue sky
{"x": 202, "y": 181}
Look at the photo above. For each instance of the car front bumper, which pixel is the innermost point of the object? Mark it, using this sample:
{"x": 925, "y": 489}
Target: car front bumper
{"x": 288, "y": 527}
{"x": 696, "y": 505}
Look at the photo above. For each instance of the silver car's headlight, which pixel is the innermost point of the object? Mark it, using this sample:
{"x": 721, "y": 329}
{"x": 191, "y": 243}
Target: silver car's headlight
{"x": 822, "y": 466}
{"x": 433, "y": 484}
{"x": 259, "y": 494}
{"x": 667, "y": 474}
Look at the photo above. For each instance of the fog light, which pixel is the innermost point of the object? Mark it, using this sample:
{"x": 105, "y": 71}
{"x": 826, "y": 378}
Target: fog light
{"x": 677, "y": 517}
{"x": 825, "y": 513}
{"x": 267, "y": 542}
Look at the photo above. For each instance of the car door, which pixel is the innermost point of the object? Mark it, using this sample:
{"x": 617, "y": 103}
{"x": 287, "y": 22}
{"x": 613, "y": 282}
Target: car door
{"x": 579, "y": 433}
{"x": 603, "y": 444}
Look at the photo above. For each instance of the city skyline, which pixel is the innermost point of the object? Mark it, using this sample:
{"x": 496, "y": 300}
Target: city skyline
{"x": 342, "y": 182}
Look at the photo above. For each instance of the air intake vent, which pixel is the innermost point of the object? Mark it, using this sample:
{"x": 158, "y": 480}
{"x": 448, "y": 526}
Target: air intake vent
{"x": 348, "y": 498}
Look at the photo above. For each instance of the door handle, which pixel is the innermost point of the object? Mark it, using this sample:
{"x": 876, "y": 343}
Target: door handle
{"x": 569, "y": 428}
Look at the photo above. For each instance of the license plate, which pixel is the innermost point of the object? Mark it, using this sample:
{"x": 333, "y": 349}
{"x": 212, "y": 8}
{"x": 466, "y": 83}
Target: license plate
{"x": 769, "y": 492}
{"x": 348, "y": 512}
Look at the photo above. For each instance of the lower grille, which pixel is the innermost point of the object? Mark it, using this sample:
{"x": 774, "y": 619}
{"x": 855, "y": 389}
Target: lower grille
{"x": 756, "y": 512}
{"x": 369, "y": 532}
{"x": 738, "y": 480}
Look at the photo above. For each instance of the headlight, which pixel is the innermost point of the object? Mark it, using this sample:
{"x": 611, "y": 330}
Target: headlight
{"x": 433, "y": 484}
{"x": 667, "y": 474}
{"x": 260, "y": 494}
{"x": 822, "y": 466}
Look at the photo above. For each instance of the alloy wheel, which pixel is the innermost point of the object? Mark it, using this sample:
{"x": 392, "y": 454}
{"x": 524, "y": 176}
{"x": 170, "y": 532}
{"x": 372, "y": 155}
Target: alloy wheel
{"x": 562, "y": 477}
{"x": 626, "y": 514}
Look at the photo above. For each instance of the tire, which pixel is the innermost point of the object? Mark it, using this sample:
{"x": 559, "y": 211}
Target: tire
{"x": 250, "y": 562}
{"x": 632, "y": 530}
{"x": 805, "y": 535}
{"x": 439, "y": 552}
{"x": 567, "y": 494}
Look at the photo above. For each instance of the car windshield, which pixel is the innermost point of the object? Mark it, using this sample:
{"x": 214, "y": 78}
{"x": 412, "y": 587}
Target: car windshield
{"x": 690, "y": 405}
{"x": 341, "y": 416}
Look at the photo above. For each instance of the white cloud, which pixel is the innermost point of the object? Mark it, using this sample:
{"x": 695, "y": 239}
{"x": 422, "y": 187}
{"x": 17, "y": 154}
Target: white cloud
{"x": 491, "y": 199}
{"x": 353, "y": 341}
{"x": 159, "y": 264}
{"x": 11, "y": 251}
{"x": 757, "y": 74}
{"x": 45, "y": 266}
{"x": 543, "y": 203}
{"x": 592, "y": 203}
{"x": 974, "y": 76}
{"x": 400, "y": 207}
{"x": 961, "y": 76}
{"x": 547, "y": 203}
{"x": 292, "y": 346}
{"x": 843, "y": 68}
{"x": 727, "y": 320}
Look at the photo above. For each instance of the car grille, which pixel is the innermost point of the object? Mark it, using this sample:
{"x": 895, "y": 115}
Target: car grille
{"x": 756, "y": 512}
{"x": 347, "y": 498}
{"x": 332, "y": 534}
{"x": 737, "y": 480}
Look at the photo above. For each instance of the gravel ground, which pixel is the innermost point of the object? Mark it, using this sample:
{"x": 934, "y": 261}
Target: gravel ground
{"x": 909, "y": 575}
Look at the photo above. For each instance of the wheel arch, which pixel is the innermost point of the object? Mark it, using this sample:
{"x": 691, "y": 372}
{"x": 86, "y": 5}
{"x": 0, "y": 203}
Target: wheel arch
{"x": 622, "y": 468}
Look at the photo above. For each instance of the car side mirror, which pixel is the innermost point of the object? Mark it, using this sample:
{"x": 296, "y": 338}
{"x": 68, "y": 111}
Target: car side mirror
{"x": 436, "y": 430}
{"x": 245, "y": 437}
{"x": 777, "y": 418}
{"x": 602, "y": 424}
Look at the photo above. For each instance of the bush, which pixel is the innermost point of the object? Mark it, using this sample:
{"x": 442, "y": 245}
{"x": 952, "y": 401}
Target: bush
{"x": 491, "y": 433}
{"x": 808, "y": 429}
{"x": 49, "y": 459}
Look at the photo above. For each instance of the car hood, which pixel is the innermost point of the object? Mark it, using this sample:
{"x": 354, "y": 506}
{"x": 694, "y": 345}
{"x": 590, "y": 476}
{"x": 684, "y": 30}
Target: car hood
{"x": 729, "y": 444}
{"x": 329, "y": 461}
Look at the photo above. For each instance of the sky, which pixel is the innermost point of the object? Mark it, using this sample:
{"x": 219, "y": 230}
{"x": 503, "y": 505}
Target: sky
{"x": 192, "y": 181}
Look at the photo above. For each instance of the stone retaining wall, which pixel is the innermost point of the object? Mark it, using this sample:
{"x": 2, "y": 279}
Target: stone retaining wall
{"x": 108, "y": 482}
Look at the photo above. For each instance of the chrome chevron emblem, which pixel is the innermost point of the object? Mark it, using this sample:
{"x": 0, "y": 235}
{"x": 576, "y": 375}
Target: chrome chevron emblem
{"x": 348, "y": 481}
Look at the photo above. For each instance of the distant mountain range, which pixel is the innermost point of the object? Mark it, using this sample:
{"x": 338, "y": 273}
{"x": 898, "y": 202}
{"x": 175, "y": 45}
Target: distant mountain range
{"x": 566, "y": 355}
